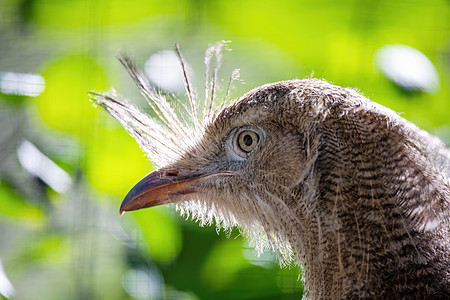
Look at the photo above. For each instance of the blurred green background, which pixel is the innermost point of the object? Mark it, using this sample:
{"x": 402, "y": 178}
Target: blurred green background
{"x": 65, "y": 165}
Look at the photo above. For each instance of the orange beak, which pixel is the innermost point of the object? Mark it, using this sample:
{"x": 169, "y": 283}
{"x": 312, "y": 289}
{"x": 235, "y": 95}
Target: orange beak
{"x": 161, "y": 187}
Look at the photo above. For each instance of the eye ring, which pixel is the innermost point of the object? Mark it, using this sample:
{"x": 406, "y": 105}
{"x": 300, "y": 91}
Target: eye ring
{"x": 242, "y": 141}
{"x": 247, "y": 140}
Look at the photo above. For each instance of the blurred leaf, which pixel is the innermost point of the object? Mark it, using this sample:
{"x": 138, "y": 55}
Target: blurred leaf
{"x": 12, "y": 205}
{"x": 65, "y": 104}
{"x": 115, "y": 163}
{"x": 162, "y": 235}
{"x": 43, "y": 248}
{"x": 75, "y": 13}
{"x": 345, "y": 55}
{"x": 223, "y": 263}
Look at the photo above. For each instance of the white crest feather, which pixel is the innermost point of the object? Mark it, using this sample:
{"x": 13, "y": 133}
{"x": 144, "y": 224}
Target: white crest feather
{"x": 177, "y": 127}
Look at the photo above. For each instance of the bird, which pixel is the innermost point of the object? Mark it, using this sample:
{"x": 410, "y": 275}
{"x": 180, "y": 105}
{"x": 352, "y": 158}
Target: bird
{"x": 341, "y": 185}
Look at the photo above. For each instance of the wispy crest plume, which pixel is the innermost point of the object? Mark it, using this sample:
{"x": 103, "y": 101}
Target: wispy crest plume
{"x": 177, "y": 126}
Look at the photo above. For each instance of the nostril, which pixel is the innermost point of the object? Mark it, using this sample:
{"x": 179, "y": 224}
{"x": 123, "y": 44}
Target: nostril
{"x": 172, "y": 173}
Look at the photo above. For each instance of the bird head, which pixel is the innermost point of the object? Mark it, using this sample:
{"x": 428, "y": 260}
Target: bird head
{"x": 241, "y": 164}
{"x": 250, "y": 164}
{"x": 237, "y": 171}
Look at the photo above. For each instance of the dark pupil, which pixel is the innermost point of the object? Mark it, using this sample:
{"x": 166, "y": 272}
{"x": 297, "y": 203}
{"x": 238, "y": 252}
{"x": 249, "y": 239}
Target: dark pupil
{"x": 248, "y": 140}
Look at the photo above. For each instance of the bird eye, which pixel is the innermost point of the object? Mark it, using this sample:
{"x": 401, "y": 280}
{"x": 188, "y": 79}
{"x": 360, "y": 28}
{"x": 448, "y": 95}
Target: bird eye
{"x": 242, "y": 140}
{"x": 247, "y": 140}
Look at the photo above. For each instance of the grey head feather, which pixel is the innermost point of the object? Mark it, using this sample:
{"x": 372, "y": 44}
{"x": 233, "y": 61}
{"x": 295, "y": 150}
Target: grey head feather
{"x": 357, "y": 195}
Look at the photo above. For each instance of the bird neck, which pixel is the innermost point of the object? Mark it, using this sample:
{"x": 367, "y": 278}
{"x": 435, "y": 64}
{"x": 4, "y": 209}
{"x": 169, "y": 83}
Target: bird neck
{"x": 376, "y": 217}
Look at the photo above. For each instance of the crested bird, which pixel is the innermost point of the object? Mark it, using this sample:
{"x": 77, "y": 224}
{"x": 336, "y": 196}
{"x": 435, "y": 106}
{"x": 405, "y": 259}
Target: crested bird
{"x": 354, "y": 193}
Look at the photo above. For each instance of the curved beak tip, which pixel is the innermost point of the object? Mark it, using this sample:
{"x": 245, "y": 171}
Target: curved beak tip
{"x": 156, "y": 189}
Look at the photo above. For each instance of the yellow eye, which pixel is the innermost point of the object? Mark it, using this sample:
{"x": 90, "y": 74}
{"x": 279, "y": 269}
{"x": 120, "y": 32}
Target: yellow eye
{"x": 247, "y": 140}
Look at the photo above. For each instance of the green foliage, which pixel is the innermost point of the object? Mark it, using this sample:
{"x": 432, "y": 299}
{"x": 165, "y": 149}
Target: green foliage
{"x": 15, "y": 209}
{"x": 114, "y": 163}
{"x": 161, "y": 235}
{"x": 64, "y": 104}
